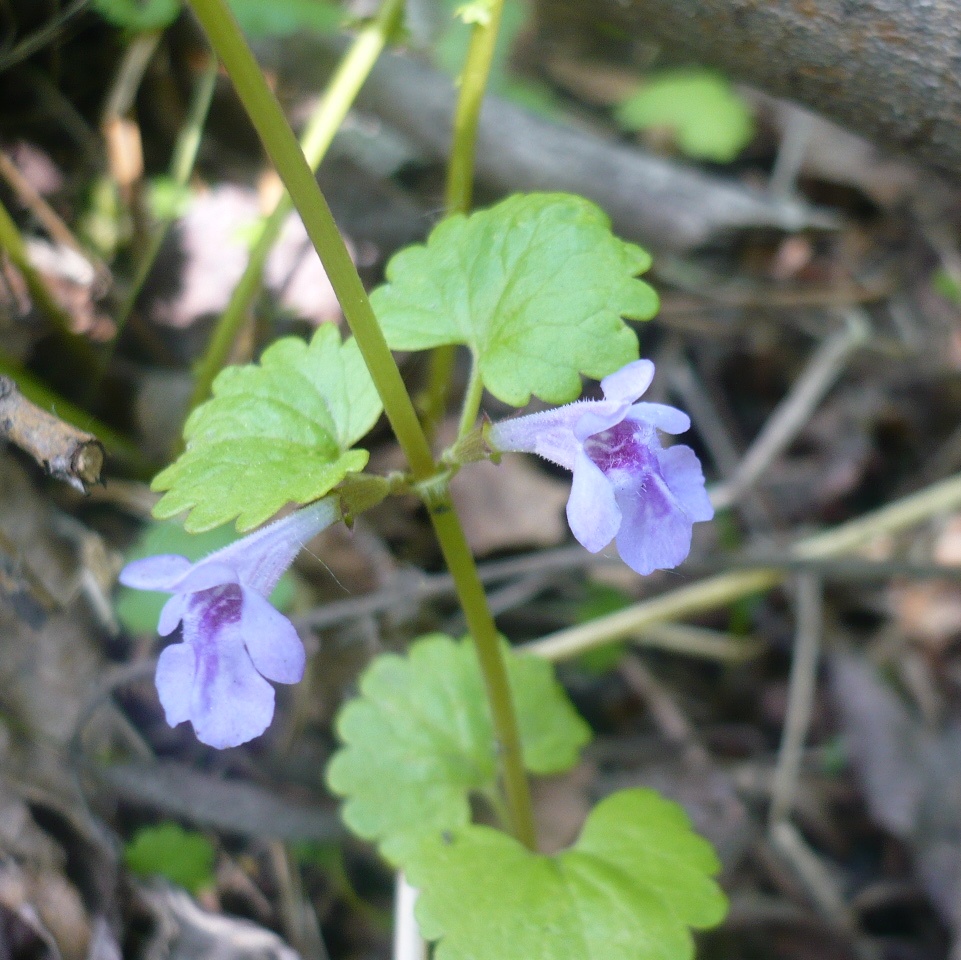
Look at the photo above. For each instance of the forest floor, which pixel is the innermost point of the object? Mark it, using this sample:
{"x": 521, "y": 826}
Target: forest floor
{"x": 807, "y": 715}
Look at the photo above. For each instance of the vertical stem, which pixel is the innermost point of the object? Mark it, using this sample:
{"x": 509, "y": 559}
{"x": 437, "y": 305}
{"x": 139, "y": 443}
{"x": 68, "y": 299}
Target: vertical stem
{"x": 181, "y": 167}
{"x": 477, "y": 68}
{"x": 472, "y": 399}
{"x": 327, "y": 118}
{"x": 480, "y": 625}
{"x": 460, "y": 180}
{"x": 284, "y": 151}
{"x": 12, "y": 243}
{"x": 282, "y": 148}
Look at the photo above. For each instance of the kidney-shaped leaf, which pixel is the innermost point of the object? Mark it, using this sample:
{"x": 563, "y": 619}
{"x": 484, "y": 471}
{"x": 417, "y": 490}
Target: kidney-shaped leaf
{"x": 537, "y": 286}
{"x": 419, "y": 741}
{"x": 630, "y": 888}
{"x": 274, "y": 433}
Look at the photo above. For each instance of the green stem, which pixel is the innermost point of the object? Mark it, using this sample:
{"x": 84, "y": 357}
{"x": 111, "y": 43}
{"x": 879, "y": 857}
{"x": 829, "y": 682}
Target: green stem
{"x": 480, "y": 625}
{"x": 329, "y": 114}
{"x": 473, "y": 84}
{"x": 281, "y": 145}
{"x": 43, "y": 298}
{"x": 472, "y": 399}
{"x": 181, "y": 169}
{"x": 460, "y": 182}
{"x": 284, "y": 151}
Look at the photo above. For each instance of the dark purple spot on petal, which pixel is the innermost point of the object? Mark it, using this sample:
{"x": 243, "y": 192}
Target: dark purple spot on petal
{"x": 625, "y": 446}
{"x": 216, "y": 608}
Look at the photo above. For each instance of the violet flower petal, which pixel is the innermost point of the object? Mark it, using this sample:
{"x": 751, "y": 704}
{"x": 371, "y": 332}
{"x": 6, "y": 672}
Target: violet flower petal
{"x": 272, "y": 642}
{"x": 171, "y": 615}
{"x": 682, "y": 473}
{"x": 155, "y": 573}
{"x": 655, "y": 532}
{"x": 549, "y": 434}
{"x": 592, "y": 510}
{"x": 230, "y": 702}
{"x": 175, "y": 680}
{"x": 598, "y": 416}
{"x": 660, "y": 415}
{"x": 261, "y": 557}
{"x": 206, "y": 574}
{"x": 628, "y": 383}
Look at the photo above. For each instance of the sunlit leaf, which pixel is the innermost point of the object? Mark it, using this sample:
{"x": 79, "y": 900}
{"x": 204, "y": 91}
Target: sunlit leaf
{"x": 276, "y": 432}
{"x": 419, "y": 741}
{"x": 536, "y": 286}
{"x": 630, "y": 888}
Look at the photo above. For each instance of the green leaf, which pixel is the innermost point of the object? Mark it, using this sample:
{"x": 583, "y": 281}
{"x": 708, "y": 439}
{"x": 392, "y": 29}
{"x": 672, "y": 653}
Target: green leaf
{"x": 139, "y": 15}
{"x": 284, "y": 18}
{"x": 139, "y": 610}
{"x": 536, "y": 286}
{"x": 273, "y": 433}
{"x": 629, "y": 889}
{"x": 709, "y": 120}
{"x": 946, "y": 285}
{"x": 600, "y": 601}
{"x": 419, "y": 741}
{"x": 183, "y": 857}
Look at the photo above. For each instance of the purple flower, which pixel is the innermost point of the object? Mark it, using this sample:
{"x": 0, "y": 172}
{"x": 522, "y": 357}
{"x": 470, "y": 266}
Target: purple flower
{"x": 234, "y": 641}
{"x": 626, "y": 485}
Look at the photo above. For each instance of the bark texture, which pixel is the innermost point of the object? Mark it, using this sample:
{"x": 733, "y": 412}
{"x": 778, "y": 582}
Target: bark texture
{"x": 649, "y": 199}
{"x": 888, "y": 69}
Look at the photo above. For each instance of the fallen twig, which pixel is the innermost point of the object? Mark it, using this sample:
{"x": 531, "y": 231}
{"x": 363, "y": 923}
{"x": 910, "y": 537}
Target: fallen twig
{"x": 64, "y": 451}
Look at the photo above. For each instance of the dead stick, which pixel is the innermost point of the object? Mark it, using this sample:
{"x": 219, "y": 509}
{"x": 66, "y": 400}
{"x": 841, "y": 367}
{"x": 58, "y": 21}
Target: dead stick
{"x": 62, "y": 450}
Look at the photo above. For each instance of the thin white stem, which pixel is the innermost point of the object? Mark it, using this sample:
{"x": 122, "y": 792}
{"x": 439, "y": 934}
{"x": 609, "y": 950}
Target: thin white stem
{"x": 408, "y": 943}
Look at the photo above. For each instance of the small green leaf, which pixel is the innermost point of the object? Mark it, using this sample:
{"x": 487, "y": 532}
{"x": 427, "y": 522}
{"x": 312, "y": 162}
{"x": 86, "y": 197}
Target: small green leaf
{"x": 419, "y": 740}
{"x": 139, "y": 15}
{"x": 709, "y": 120}
{"x": 270, "y": 18}
{"x": 183, "y": 857}
{"x": 946, "y": 285}
{"x": 536, "y": 286}
{"x": 629, "y": 889}
{"x": 600, "y": 601}
{"x": 139, "y": 610}
{"x": 274, "y": 433}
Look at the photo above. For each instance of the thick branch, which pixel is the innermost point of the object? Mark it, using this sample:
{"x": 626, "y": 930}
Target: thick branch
{"x": 888, "y": 69}
{"x": 648, "y": 198}
{"x": 62, "y": 450}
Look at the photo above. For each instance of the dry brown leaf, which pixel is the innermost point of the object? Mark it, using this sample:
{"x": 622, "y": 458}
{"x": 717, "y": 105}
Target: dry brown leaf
{"x": 510, "y": 505}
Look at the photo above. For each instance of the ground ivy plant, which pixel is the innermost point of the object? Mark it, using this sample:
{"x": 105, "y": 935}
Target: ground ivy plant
{"x": 440, "y": 740}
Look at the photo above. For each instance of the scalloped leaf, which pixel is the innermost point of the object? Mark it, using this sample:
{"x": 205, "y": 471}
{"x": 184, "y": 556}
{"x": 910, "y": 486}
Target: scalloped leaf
{"x": 419, "y": 741}
{"x": 536, "y": 287}
{"x": 630, "y": 888}
{"x": 276, "y": 432}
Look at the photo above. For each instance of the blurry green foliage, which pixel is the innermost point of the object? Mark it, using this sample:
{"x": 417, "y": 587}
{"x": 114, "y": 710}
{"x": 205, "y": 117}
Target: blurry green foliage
{"x": 183, "y": 857}
{"x": 707, "y": 118}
